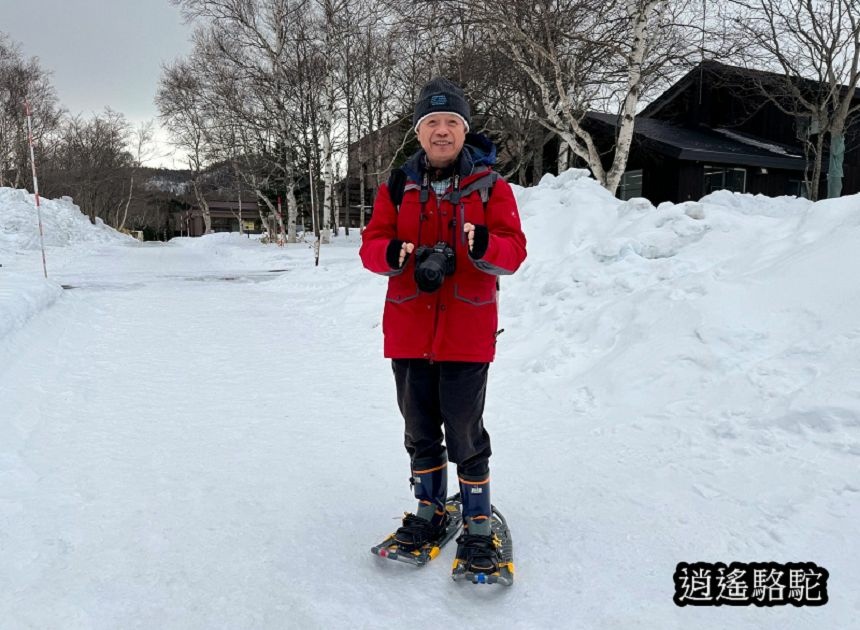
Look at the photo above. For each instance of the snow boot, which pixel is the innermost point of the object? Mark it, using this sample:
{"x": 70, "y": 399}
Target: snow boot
{"x": 478, "y": 548}
{"x": 430, "y": 522}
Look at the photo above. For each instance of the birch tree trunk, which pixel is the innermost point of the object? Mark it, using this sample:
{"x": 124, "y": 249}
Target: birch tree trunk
{"x": 265, "y": 224}
{"x": 121, "y": 225}
{"x": 292, "y": 211}
{"x": 815, "y": 151}
{"x": 331, "y": 37}
{"x": 361, "y": 193}
{"x": 327, "y": 175}
{"x": 817, "y": 166}
{"x": 279, "y": 217}
{"x": 640, "y": 14}
{"x": 563, "y": 153}
{"x": 348, "y": 101}
{"x": 201, "y": 202}
{"x": 239, "y": 191}
{"x": 335, "y": 208}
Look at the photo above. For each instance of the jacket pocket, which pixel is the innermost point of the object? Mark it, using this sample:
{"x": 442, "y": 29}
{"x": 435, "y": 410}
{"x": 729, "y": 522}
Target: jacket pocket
{"x": 401, "y": 288}
{"x": 477, "y": 293}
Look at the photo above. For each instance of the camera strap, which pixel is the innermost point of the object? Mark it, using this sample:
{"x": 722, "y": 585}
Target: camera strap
{"x": 455, "y": 190}
{"x": 423, "y": 196}
{"x": 455, "y": 201}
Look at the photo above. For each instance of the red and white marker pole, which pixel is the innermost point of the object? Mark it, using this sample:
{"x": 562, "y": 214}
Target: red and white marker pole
{"x": 36, "y": 185}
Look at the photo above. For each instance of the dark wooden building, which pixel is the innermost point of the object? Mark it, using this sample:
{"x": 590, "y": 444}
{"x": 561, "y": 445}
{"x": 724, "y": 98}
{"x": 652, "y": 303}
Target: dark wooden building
{"x": 225, "y": 218}
{"x": 714, "y": 129}
{"x": 371, "y": 158}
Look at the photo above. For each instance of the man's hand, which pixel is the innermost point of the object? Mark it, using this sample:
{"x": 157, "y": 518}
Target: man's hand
{"x": 479, "y": 239}
{"x": 397, "y": 253}
{"x": 405, "y": 250}
{"x": 469, "y": 229}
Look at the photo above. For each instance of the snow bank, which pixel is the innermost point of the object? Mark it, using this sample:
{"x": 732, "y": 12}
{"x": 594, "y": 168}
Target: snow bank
{"x": 691, "y": 371}
{"x": 224, "y": 245}
{"x": 23, "y": 288}
{"x": 21, "y": 297}
{"x": 63, "y": 222}
{"x": 690, "y": 290}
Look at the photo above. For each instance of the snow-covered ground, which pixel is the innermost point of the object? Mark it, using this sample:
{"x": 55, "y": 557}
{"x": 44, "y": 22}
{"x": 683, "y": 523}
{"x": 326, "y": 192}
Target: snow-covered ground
{"x": 203, "y": 434}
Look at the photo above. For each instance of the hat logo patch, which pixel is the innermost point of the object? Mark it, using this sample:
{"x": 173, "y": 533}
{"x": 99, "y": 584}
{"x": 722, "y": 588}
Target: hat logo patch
{"x": 438, "y": 99}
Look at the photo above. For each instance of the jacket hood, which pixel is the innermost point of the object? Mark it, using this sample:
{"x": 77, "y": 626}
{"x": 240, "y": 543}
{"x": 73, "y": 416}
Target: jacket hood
{"x": 478, "y": 151}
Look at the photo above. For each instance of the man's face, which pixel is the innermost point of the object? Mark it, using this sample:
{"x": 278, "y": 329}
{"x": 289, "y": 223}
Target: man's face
{"x": 442, "y": 136}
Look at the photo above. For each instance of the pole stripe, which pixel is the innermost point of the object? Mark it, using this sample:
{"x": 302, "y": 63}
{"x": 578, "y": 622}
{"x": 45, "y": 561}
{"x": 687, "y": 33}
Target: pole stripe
{"x": 35, "y": 184}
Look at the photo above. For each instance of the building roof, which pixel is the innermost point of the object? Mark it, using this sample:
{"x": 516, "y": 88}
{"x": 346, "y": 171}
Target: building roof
{"x": 736, "y": 74}
{"x": 719, "y": 146}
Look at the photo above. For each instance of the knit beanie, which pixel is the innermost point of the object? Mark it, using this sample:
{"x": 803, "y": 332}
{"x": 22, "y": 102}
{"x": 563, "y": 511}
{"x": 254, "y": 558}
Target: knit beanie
{"x": 441, "y": 96}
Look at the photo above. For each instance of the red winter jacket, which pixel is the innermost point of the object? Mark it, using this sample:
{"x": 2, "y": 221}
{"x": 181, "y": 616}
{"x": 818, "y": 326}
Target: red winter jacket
{"x": 458, "y": 322}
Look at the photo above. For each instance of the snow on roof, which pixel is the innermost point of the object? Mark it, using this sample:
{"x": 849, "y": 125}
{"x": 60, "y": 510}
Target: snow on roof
{"x": 754, "y": 142}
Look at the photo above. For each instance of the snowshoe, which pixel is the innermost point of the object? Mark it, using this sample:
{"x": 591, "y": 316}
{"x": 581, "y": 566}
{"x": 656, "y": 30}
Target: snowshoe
{"x": 486, "y": 559}
{"x": 417, "y": 542}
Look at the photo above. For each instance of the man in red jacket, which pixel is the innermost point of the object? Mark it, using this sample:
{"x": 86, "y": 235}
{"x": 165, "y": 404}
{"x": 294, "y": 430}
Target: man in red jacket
{"x": 443, "y": 247}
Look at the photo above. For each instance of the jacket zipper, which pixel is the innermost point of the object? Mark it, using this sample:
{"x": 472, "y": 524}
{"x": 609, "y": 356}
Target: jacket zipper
{"x": 439, "y": 292}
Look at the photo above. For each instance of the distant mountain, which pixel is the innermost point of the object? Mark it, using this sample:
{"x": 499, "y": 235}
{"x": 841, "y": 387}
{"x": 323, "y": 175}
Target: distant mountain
{"x": 175, "y": 182}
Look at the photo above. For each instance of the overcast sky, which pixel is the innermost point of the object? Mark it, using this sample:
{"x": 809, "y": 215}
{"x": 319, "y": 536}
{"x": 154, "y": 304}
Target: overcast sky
{"x": 101, "y": 52}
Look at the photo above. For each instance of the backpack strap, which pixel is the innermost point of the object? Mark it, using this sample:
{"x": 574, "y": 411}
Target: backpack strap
{"x": 484, "y": 185}
{"x": 396, "y": 186}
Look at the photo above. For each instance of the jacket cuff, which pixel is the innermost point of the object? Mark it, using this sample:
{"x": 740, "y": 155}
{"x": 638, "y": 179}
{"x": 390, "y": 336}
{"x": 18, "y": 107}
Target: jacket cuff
{"x": 392, "y": 253}
{"x": 480, "y": 243}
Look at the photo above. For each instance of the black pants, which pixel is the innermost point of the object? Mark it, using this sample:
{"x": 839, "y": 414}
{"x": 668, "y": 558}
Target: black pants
{"x": 447, "y": 394}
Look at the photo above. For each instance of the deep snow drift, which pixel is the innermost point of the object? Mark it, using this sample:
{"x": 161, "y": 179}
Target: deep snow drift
{"x": 204, "y": 434}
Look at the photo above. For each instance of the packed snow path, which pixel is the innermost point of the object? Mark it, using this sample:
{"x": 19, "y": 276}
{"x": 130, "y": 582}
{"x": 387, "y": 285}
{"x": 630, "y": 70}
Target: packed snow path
{"x": 203, "y": 434}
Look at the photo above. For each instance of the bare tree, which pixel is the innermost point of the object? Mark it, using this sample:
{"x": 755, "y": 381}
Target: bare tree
{"x": 91, "y": 160}
{"x": 257, "y": 54}
{"x": 182, "y": 105}
{"x": 297, "y": 81}
{"x": 355, "y": 18}
{"x": 22, "y": 78}
{"x": 333, "y": 31}
{"x": 375, "y": 53}
{"x": 142, "y": 151}
{"x": 586, "y": 55}
{"x": 510, "y": 108}
{"x": 813, "y": 46}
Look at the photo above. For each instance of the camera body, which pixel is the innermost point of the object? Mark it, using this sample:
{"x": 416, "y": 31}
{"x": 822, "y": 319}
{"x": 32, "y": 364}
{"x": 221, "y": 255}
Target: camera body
{"x": 433, "y": 264}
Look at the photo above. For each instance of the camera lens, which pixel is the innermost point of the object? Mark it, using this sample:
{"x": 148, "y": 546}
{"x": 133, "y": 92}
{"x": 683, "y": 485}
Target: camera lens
{"x": 432, "y": 265}
{"x": 431, "y": 272}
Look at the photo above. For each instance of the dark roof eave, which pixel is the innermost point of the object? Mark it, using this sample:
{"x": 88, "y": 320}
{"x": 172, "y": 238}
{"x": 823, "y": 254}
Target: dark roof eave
{"x": 719, "y": 157}
{"x": 791, "y": 164}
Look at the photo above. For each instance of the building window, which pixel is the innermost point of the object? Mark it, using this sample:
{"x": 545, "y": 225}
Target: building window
{"x": 725, "y": 178}
{"x": 225, "y": 225}
{"x": 631, "y": 185}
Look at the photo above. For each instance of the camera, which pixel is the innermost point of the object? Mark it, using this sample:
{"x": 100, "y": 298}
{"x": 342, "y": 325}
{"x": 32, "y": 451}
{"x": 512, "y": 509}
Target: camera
{"x": 432, "y": 264}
